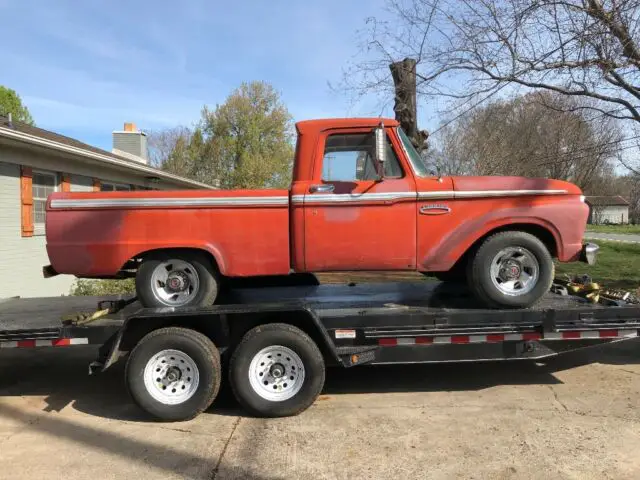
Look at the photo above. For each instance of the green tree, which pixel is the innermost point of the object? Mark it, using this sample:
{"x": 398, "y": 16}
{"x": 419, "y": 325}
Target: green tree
{"x": 247, "y": 142}
{"x": 249, "y": 139}
{"x": 10, "y": 102}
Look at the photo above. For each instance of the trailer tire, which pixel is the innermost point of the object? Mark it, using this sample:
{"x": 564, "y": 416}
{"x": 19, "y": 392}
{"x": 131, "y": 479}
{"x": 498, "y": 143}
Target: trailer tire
{"x": 498, "y": 270}
{"x": 297, "y": 379}
{"x": 188, "y": 355}
{"x": 191, "y": 270}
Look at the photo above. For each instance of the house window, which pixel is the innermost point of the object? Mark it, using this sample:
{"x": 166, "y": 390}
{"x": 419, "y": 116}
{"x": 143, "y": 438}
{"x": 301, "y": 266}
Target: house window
{"x": 114, "y": 187}
{"x": 44, "y": 184}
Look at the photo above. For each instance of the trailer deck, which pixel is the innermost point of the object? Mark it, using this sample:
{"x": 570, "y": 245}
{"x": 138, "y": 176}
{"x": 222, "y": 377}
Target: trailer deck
{"x": 383, "y": 314}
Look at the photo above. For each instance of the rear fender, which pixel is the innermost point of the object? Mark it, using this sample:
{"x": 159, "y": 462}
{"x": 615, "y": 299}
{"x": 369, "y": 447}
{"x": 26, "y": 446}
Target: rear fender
{"x": 204, "y": 247}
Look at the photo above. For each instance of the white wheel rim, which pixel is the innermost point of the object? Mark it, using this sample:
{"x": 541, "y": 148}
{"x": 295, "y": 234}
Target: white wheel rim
{"x": 171, "y": 377}
{"x": 276, "y": 373}
{"x": 515, "y": 271}
{"x": 175, "y": 282}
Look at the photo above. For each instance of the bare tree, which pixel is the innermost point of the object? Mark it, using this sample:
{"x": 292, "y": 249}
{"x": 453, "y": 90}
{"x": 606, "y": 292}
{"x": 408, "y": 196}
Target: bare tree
{"x": 597, "y": 214}
{"x": 538, "y": 135}
{"x": 471, "y": 49}
{"x": 162, "y": 143}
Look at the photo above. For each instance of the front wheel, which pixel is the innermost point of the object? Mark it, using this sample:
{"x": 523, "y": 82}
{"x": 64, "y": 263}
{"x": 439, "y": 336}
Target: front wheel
{"x": 277, "y": 370}
{"x": 511, "y": 269}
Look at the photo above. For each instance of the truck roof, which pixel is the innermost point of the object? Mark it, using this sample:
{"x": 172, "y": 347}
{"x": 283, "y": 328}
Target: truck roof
{"x": 324, "y": 123}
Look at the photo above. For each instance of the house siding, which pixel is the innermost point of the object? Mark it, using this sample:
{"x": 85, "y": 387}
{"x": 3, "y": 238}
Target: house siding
{"x": 609, "y": 214}
{"x": 22, "y": 258}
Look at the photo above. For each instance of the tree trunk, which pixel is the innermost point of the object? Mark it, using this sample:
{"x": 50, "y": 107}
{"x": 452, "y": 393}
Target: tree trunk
{"x": 405, "y": 107}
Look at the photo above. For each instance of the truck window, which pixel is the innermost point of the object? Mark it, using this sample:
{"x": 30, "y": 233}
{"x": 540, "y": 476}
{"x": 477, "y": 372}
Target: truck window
{"x": 349, "y": 157}
{"x": 415, "y": 159}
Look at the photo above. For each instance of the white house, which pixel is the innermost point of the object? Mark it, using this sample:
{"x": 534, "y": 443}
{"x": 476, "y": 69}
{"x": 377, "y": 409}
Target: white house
{"x": 35, "y": 162}
{"x": 612, "y": 209}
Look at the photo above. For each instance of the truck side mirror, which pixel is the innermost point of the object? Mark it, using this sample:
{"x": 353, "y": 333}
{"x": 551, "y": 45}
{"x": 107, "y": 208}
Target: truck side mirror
{"x": 381, "y": 149}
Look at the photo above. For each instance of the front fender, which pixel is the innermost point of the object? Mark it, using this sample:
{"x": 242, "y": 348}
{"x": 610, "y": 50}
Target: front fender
{"x": 452, "y": 246}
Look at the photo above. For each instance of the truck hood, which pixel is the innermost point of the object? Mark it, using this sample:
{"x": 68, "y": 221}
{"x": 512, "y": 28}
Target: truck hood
{"x": 514, "y": 185}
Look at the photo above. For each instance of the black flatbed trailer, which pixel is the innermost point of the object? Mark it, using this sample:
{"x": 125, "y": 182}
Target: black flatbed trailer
{"x": 281, "y": 338}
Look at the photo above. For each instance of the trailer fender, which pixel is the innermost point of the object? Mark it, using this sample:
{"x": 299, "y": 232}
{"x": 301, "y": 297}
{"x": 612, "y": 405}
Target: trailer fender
{"x": 108, "y": 353}
{"x": 223, "y": 330}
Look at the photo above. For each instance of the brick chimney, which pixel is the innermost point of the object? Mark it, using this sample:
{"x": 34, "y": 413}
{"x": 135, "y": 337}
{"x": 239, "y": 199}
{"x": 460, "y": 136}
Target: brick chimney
{"x": 130, "y": 143}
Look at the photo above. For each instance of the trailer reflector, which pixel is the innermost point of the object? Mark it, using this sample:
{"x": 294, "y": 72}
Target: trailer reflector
{"x": 500, "y": 337}
{"x": 56, "y": 342}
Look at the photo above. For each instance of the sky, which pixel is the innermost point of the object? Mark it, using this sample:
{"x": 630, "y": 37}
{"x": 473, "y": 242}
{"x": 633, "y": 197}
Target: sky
{"x": 83, "y": 68}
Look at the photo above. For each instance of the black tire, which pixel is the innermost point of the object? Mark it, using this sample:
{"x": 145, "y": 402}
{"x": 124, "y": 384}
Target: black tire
{"x": 479, "y": 270}
{"x": 207, "y": 275}
{"x": 288, "y": 336}
{"x": 197, "y": 346}
{"x": 452, "y": 276}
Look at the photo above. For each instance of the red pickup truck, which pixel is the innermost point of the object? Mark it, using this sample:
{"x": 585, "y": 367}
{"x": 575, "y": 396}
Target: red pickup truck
{"x": 361, "y": 199}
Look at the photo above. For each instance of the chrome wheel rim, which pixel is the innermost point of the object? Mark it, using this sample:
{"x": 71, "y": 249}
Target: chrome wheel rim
{"x": 171, "y": 377}
{"x": 175, "y": 282}
{"x": 515, "y": 271}
{"x": 276, "y": 373}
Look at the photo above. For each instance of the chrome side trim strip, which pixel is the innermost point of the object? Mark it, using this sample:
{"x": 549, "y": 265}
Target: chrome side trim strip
{"x": 441, "y": 194}
{"x": 438, "y": 194}
{"x": 352, "y": 197}
{"x": 168, "y": 202}
{"x": 450, "y": 194}
{"x": 506, "y": 193}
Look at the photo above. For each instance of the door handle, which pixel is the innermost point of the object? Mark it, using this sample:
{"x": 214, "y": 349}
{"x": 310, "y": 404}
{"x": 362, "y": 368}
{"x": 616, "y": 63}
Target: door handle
{"x": 322, "y": 188}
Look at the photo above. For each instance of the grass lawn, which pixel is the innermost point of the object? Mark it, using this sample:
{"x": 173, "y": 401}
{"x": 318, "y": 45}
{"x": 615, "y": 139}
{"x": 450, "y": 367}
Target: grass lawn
{"x": 618, "y": 266}
{"x": 633, "y": 229}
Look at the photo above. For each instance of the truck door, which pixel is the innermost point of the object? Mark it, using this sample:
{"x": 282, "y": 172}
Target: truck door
{"x": 353, "y": 219}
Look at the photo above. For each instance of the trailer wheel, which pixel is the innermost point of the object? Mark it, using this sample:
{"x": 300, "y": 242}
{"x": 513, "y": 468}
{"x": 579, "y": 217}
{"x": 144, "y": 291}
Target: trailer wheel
{"x": 174, "y": 373}
{"x": 277, "y": 370}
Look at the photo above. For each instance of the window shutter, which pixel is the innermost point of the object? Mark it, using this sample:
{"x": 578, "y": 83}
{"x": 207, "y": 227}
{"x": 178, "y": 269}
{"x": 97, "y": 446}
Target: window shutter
{"x": 26, "y": 201}
{"x": 96, "y": 185}
{"x": 65, "y": 183}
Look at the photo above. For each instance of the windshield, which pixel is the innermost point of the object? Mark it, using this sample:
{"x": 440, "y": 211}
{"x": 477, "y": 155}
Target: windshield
{"x": 414, "y": 157}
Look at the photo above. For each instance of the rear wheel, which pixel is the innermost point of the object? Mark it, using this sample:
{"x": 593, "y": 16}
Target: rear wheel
{"x": 180, "y": 279}
{"x": 277, "y": 370}
{"x": 174, "y": 373}
{"x": 511, "y": 269}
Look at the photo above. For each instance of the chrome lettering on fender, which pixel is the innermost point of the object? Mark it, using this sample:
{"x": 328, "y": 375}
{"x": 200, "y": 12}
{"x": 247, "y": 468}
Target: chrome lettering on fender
{"x": 435, "y": 209}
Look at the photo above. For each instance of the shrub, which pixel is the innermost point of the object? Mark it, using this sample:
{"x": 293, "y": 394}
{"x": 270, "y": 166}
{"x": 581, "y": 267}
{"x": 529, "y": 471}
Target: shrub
{"x": 103, "y": 287}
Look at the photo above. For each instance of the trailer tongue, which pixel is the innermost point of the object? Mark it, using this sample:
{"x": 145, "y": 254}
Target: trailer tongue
{"x": 278, "y": 340}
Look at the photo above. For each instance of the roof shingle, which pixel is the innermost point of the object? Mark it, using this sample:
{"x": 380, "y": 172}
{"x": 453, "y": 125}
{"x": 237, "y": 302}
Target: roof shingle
{"x": 604, "y": 201}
